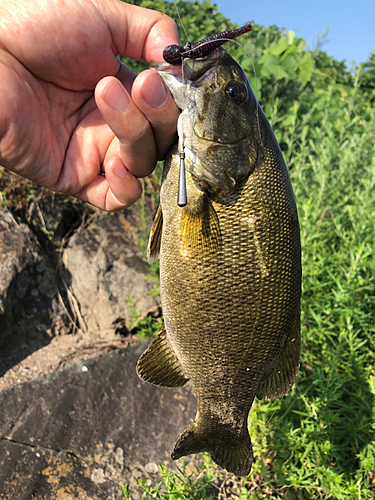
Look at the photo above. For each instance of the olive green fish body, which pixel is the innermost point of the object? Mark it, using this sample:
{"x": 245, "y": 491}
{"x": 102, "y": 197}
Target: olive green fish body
{"x": 230, "y": 278}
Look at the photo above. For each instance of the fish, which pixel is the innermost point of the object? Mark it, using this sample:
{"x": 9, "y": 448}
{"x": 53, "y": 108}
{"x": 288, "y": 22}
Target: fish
{"x": 230, "y": 261}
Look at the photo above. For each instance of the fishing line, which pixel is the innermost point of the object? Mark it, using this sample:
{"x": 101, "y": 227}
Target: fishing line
{"x": 182, "y": 194}
{"x": 256, "y": 88}
{"x": 182, "y": 24}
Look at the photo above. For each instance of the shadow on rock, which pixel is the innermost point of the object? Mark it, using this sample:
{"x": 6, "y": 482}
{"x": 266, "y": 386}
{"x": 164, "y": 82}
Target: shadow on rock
{"x": 31, "y": 312}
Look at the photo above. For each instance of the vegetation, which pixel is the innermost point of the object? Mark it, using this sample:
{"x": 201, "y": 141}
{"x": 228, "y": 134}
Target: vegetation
{"x": 318, "y": 442}
{"x": 181, "y": 485}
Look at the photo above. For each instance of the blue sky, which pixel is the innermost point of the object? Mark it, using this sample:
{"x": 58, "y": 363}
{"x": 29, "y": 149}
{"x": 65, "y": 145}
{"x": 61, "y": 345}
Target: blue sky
{"x": 352, "y": 33}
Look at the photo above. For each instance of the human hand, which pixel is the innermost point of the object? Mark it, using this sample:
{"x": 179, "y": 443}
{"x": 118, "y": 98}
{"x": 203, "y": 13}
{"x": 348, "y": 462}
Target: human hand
{"x": 53, "y": 129}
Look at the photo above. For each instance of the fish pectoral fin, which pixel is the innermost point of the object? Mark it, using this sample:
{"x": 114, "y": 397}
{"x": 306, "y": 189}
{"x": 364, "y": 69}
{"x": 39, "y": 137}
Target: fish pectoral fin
{"x": 283, "y": 376}
{"x": 235, "y": 455}
{"x": 153, "y": 247}
{"x": 158, "y": 365}
{"x": 200, "y": 229}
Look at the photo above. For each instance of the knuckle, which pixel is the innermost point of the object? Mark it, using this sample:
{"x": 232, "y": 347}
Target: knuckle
{"x": 137, "y": 130}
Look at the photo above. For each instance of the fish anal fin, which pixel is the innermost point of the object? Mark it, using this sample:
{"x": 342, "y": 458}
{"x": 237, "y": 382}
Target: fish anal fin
{"x": 154, "y": 242}
{"x": 200, "y": 229}
{"x": 283, "y": 376}
{"x": 234, "y": 455}
{"x": 158, "y": 365}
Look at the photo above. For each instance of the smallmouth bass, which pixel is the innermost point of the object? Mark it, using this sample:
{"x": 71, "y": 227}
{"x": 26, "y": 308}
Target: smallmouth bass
{"x": 230, "y": 261}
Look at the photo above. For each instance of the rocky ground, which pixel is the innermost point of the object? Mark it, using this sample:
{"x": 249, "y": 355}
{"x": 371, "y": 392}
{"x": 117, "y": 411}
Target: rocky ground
{"x": 75, "y": 421}
{"x": 62, "y": 287}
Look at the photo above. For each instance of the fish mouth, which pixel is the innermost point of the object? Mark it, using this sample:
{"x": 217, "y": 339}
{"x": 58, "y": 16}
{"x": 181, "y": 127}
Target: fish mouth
{"x": 180, "y": 78}
{"x": 216, "y": 140}
{"x": 166, "y": 68}
{"x": 191, "y": 70}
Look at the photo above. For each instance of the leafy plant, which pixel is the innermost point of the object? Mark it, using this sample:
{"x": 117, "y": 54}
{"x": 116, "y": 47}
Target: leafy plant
{"x": 145, "y": 326}
{"x": 16, "y": 192}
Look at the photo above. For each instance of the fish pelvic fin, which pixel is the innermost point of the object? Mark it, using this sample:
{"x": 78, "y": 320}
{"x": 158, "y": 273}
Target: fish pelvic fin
{"x": 153, "y": 248}
{"x": 200, "y": 229}
{"x": 283, "y": 376}
{"x": 158, "y": 365}
{"x": 234, "y": 455}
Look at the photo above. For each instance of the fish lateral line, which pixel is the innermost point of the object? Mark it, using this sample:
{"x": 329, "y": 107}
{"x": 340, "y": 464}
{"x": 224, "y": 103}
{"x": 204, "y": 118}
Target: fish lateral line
{"x": 174, "y": 54}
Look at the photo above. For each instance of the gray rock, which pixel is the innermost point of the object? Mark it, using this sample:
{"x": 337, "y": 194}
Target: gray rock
{"x": 83, "y": 433}
{"x": 152, "y": 468}
{"x": 108, "y": 273}
{"x": 39, "y": 482}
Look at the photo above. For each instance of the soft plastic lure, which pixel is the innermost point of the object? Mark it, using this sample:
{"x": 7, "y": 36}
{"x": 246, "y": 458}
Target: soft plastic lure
{"x": 173, "y": 54}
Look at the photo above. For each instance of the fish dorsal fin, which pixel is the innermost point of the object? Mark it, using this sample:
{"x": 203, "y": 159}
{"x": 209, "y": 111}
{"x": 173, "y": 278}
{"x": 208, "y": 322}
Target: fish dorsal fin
{"x": 153, "y": 247}
{"x": 200, "y": 229}
{"x": 159, "y": 365}
{"x": 283, "y": 376}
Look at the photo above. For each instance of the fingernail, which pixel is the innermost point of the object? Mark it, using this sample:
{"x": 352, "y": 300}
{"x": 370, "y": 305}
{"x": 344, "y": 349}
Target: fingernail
{"x": 116, "y": 97}
{"x": 120, "y": 170}
{"x": 154, "y": 92}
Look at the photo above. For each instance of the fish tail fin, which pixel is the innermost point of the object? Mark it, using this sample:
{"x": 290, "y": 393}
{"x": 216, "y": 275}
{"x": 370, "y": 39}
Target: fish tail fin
{"x": 189, "y": 442}
{"x": 236, "y": 457}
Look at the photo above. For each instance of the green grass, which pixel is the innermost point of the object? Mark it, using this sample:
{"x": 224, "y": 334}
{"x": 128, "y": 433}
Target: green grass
{"x": 180, "y": 485}
{"x": 318, "y": 442}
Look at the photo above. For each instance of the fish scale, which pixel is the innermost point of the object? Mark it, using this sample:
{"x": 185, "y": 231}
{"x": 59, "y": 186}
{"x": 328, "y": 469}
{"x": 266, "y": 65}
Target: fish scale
{"x": 230, "y": 266}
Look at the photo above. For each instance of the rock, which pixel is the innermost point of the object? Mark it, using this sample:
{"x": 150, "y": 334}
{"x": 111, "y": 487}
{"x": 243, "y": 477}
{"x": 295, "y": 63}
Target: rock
{"x": 30, "y": 311}
{"x": 108, "y": 273}
{"x": 39, "y": 481}
{"x": 42, "y": 301}
{"x": 152, "y": 468}
{"x": 82, "y": 433}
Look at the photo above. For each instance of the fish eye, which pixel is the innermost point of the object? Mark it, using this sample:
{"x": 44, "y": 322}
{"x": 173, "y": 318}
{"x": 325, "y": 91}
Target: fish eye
{"x": 235, "y": 91}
